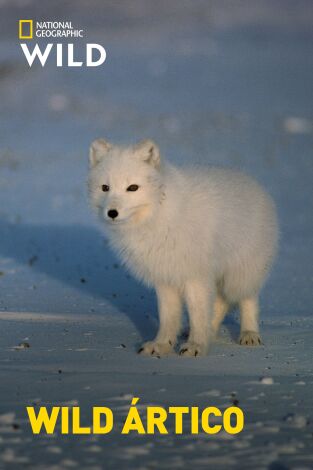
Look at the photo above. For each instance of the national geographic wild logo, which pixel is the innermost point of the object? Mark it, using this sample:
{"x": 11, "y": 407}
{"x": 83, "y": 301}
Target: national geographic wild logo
{"x": 62, "y": 53}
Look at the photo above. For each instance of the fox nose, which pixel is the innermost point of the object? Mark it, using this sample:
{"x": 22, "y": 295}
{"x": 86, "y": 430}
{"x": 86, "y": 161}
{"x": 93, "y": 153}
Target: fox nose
{"x": 112, "y": 213}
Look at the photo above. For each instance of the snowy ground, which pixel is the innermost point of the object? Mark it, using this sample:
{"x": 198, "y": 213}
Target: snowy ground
{"x": 220, "y": 82}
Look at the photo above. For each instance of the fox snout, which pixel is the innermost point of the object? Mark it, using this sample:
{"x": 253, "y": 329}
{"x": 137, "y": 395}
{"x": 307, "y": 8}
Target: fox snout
{"x": 112, "y": 213}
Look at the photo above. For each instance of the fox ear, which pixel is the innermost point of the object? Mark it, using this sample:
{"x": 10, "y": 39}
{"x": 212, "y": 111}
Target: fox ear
{"x": 98, "y": 149}
{"x": 149, "y": 152}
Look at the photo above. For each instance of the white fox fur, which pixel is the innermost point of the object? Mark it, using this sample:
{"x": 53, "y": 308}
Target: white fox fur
{"x": 204, "y": 237}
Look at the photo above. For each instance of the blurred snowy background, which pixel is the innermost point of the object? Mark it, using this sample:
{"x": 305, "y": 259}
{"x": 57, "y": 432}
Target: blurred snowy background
{"x": 216, "y": 82}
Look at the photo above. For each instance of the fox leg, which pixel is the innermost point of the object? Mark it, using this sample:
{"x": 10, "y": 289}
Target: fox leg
{"x": 170, "y": 309}
{"x": 199, "y": 300}
{"x": 249, "y": 325}
{"x": 220, "y": 309}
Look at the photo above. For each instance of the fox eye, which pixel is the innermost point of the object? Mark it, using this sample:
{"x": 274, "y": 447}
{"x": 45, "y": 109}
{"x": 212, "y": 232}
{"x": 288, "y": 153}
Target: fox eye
{"x": 132, "y": 187}
{"x": 105, "y": 188}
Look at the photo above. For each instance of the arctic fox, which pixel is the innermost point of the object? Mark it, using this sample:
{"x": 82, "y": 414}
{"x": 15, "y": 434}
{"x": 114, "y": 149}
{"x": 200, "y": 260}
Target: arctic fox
{"x": 204, "y": 237}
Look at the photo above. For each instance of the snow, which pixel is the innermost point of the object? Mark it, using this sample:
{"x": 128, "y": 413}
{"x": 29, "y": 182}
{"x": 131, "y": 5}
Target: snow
{"x": 266, "y": 380}
{"x": 296, "y": 125}
{"x": 227, "y": 83}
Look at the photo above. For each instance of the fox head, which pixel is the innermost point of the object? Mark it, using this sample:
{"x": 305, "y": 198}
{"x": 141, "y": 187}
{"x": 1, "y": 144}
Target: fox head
{"x": 124, "y": 182}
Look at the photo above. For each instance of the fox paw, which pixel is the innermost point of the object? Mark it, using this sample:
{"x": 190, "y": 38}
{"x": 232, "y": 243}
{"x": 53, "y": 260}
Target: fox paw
{"x": 250, "y": 338}
{"x": 155, "y": 348}
{"x": 191, "y": 349}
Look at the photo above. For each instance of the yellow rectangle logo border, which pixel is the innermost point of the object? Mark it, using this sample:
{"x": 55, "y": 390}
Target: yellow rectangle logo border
{"x": 20, "y": 29}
